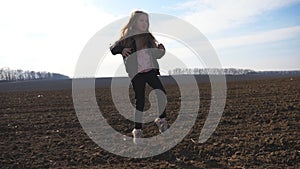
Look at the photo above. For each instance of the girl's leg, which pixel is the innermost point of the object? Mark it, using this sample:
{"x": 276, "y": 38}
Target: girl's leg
{"x": 155, "y": 83}
{"x": 139, "y": 83}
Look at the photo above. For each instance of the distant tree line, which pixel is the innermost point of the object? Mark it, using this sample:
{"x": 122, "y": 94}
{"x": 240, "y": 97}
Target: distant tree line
{"x": 209, "y": 71}
{"x": 7, "y": 74}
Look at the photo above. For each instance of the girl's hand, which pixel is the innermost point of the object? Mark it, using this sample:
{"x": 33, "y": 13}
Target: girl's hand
{"x": 161, "y": 46}
{"x": 126, "y": 52}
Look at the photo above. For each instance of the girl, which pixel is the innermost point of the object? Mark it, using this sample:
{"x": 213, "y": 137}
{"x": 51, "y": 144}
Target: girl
{"x": 140, "y": 52}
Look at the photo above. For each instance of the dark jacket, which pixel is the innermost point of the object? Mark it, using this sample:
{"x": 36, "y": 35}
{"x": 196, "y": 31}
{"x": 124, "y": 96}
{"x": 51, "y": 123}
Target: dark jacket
{"x": 130, "y": 62}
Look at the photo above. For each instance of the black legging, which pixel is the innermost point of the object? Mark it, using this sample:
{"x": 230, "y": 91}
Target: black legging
{"x": 139, "y": 85}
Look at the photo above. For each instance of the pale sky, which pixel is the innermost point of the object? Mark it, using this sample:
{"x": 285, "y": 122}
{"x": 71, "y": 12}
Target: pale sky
{"x": 49, "y": 35}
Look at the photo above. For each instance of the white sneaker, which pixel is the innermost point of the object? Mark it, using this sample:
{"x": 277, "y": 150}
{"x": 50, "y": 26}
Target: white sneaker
{"x": 162, "y": 124}
{"x": 137, "y": 136}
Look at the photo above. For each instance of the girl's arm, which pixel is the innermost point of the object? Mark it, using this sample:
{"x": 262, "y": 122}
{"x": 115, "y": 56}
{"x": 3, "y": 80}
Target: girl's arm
{"x": 116, "y": 48}
{"x": 159, "y": 52}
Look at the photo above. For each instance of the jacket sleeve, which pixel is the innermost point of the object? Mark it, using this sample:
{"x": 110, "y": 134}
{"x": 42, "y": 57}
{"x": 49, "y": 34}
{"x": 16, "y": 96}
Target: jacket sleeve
{"x": 155, "y": 51}
{"x": 116, "y": 48}
{"x": 158, "y": 53}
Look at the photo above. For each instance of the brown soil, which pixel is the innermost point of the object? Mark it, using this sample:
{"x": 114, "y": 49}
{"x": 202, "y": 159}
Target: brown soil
{"x": 259, "y": 129}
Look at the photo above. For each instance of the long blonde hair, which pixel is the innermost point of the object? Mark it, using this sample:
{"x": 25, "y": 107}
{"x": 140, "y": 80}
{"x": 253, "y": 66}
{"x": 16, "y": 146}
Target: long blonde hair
{"x": 129, "y": 29}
